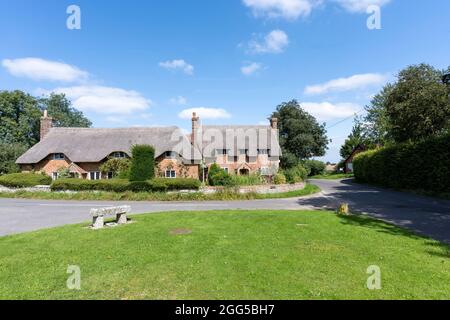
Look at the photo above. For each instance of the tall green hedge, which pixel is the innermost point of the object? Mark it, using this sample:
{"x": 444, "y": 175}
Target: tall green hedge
{"x": 415, "y": 166}
{"x": 142, "y": 163}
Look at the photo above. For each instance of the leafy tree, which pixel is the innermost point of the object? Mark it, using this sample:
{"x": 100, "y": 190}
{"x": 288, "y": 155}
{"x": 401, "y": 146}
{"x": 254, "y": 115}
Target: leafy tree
{"x": 19, "y": 118}
{"x": 62, "y": 112}
{"x": 357, "y": 137}
{"x": 142, "y": 163}
{"x": 301, "y": 136}
{"x": 9, "y": 152}
{"x": 314, "y": 167}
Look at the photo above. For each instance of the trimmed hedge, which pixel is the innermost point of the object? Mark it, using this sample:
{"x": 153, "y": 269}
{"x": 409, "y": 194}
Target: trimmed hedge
{"x": 142, "y": 163}
{"x": 24, "y": 180}
{"x": 414, "y": 166}
{"x": 120, "y": 185}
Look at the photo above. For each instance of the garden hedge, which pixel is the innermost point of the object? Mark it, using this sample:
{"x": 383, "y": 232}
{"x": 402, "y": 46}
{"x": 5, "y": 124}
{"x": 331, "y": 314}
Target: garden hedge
{"x": 120, "y": 185}
{"x": 142, "y": 163}
{"x": 24, "y": 180}
{"x": 414, "y": 166}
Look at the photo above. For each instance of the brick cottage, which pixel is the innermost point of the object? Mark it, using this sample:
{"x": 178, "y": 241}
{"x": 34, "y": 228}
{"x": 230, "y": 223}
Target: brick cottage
{"x": 239, "y": 150}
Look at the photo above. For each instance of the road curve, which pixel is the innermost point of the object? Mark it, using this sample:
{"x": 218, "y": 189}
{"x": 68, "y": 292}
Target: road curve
{"x": 423, "y": 215}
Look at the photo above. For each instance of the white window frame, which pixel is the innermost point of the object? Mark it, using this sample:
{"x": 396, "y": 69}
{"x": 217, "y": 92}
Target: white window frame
{"x": 54, "y": 157}
{"x": 226, "y": 169}
{"x": 168, "y": 174}
{"x": 97, "y": 175}
{"x": 55, "y": 176}
{"x": 119, "y": 155}
{"x": 265, "y": 171}
{"x": 109, "y": 175}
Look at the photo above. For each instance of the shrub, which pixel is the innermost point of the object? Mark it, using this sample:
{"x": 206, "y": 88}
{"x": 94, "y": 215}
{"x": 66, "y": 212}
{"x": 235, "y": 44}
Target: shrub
{"x": 121, "y": 185}
{"x": 180, "y": 184}
{"x": 416, "y": 166}
{"x": 218, "y": 177}
{"x": 23, "y": 180}
{"x": 314, "y": 167}
{"x": 142, "y": 163}
{"x": 119, "y": 167}
{"x": 296, "y": 174}
{"x": 250, "y": 180}
{"x": 279, "y": 178}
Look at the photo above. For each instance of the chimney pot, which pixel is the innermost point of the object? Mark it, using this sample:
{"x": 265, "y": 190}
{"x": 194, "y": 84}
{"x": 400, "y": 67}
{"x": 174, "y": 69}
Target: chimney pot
{"x": 274, "y": 123}
{"x": 46, "y": 125}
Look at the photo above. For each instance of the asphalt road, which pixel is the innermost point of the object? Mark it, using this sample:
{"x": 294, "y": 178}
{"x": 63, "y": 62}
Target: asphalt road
{"x": 423, "y": 215}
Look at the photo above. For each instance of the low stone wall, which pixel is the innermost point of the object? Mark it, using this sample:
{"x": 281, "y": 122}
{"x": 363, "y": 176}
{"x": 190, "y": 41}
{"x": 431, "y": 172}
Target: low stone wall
{"x": 31, "y": 189}
{"x": 261, "y": 189}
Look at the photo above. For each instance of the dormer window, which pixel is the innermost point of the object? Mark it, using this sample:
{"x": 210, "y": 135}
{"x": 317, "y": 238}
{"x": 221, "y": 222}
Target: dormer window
{"x": 119, "y": 155}
{"x": 58, "y": 156}
{"x": 170, "y": 155}
{"x": 222, "y": 152}
{"x": 263, "y": 151}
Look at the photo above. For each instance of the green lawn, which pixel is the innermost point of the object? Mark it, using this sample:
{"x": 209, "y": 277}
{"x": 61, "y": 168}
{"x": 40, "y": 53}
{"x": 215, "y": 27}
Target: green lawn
{"x": 157, "y": 196}
{"x": 228, "y": 255}
{"x": 333, "y": 176}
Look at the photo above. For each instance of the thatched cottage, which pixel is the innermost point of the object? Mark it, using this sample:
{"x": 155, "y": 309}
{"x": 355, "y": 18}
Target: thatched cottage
{"x": 237, "y": 149}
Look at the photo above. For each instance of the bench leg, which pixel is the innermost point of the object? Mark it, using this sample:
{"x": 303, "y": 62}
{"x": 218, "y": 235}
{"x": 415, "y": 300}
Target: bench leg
{"x": 121, "y": 218}
{"x": 98, "y": 223}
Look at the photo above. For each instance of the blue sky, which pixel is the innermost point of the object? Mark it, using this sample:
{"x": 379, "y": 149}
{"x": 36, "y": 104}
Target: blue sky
{"x": 148, "y": 63}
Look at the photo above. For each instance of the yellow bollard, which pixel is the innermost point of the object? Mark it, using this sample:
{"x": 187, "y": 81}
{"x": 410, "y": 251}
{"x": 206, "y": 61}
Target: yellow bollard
{"x": 343, "y": 209}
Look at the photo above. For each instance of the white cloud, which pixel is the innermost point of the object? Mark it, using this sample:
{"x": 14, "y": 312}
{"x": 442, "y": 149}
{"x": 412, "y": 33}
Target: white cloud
{"x": 180, "y": 100}
{"x": 104, "y": 100}
{"x": 39, "y": 69}
{"x": 178, "y": 65}
{"x": 251, "y": 68}
{"x": 360, "y": 6}
{"x": 346, "y": 84}
{"x": 205, "y": 113}
{"x": 325, "y": 111}
{"x": 288, "y": 9}
{"x": 274, "y": 42}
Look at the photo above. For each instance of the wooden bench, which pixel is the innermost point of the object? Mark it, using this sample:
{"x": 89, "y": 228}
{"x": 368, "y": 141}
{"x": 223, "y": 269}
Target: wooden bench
{"x": 99, "y": 215}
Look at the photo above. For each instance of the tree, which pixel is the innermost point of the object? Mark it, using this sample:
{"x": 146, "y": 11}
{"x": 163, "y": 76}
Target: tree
{"x": 418, "y": 106}
{"x": 355, "y": 139}
{"x": 376, "y": 125}
{"x": 142, "y": 163}
{"x": 9, "y": 152}
{"x": 62, "y": 112}
{"x": 19, "y": 118}
{"x": 118, "y": 167}
{"x": 301, "y": 136}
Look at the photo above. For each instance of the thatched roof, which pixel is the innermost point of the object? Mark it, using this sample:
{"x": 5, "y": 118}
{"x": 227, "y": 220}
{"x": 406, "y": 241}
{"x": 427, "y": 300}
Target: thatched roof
{"x": 235, "y": 138}
{"x": 94, "y": 145}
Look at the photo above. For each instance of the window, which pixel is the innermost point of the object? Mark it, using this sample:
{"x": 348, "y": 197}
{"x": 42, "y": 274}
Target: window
{"x": 94, "y": 175}
{"x": 119, "y": 155}
{"x": 110, "y": 175}
{"x": 55, "y": 175}
{"x": 226, "y": 169}
{"x": 222, "y": 152}
{"x": 171, "y": 155}
{"x": 58, "y": 156}
{"x": 265, "y": 171}
{"x": 263, "y": 151}
{"x": 171, "y": 174}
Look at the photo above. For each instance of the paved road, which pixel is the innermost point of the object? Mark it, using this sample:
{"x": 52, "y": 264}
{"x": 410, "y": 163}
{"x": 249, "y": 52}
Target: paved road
{"x": 423, "y": 215}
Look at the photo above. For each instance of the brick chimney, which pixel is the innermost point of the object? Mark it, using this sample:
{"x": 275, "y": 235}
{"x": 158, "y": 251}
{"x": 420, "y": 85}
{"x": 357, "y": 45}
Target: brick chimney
{"x": 196, "y": 126}
{"x": 46, "y": 124}
{"x": 274, "y": 123}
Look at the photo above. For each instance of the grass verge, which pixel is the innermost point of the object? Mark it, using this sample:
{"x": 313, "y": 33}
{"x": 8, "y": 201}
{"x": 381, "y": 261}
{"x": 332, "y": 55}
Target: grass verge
{"x": 334, "y": 176}
{"x": 226, "y": 255}
{"x": 157, "y": 196}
